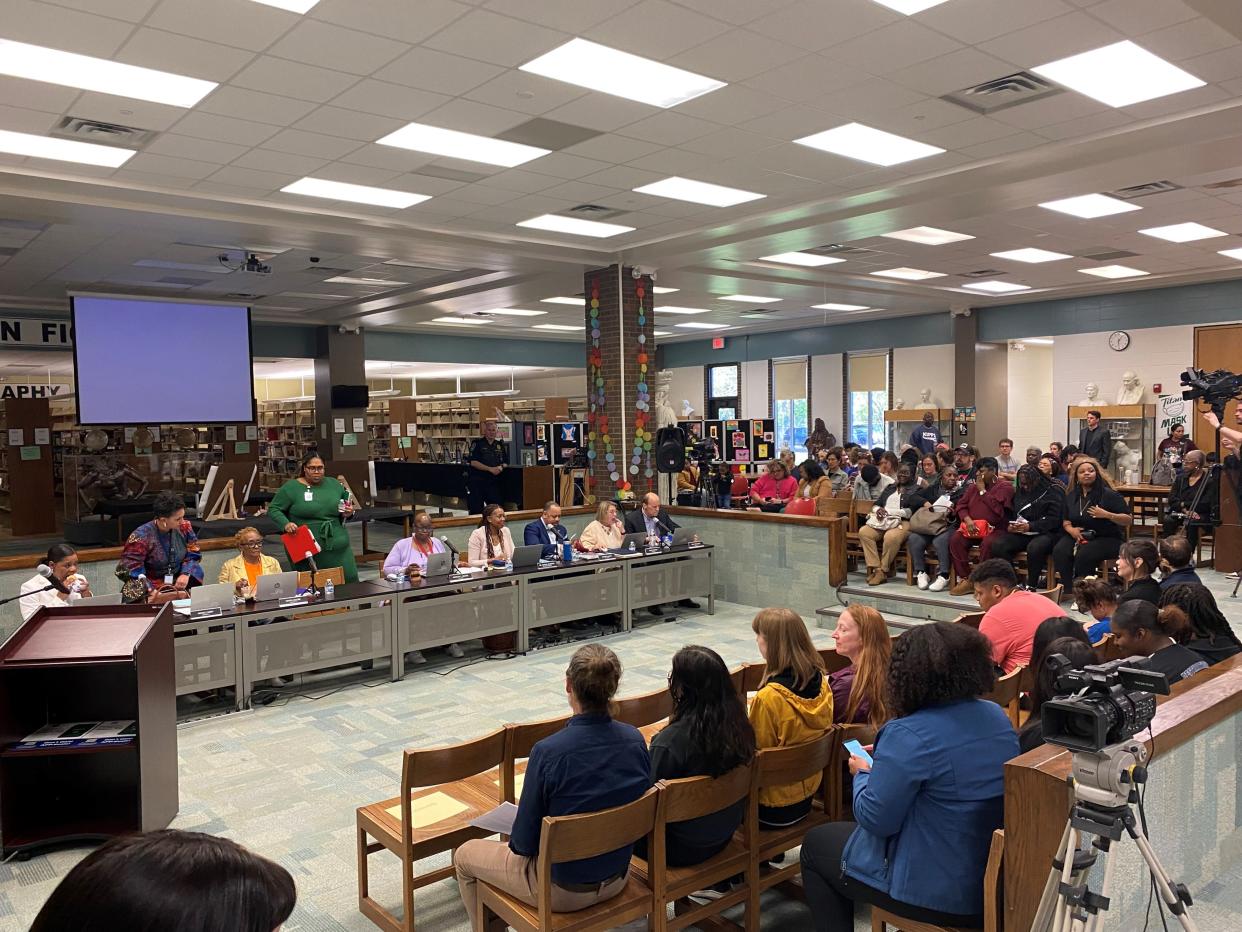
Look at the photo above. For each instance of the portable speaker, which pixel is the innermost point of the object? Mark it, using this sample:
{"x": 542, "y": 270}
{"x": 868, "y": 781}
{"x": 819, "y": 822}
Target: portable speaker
{"x": 670, "y": 450}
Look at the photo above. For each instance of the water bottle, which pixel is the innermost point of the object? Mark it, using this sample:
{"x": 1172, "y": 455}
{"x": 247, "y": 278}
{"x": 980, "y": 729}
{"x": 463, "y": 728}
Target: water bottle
{"x": 567, "y": 552}
{"x": 632, "y": 547}
{"x": 329, "y": 589}
{"x": 666, "y": 541}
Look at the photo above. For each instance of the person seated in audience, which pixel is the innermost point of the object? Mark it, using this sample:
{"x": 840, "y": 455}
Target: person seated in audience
{"x": 1068, "y": 456}
{"x": 888, "y": 526}
{"x": 67, "y": 583}
{"x": 1137, "y": 560}
{"x": 964, "y": 458}
{"x": 925, "y": 809}
{"x": 1177, "y": 562}
{"x": 1033, "y": 454}
{"x": 852, "y": 453}
{"x": 1006, "y": 465}
{"x": 876, "y": 453}
{"x": 741, "y": 486}
{"x": 1038, "y": 510}
{"x": 165, "y": 549}
{"x": 839, "y": 478}
{"x": 491, "y": 540}
{"x": 170, "y": 880}
{"x": 708, "y": 734}
{"x": 1050, "y": 467}
{"x": 1096, "y": 516}
{"x": 858, "y": 690}
{"x": 814, "y": 485}
{"x": 1209, "y": 633}
{"x": 773, "y": 490}
{"x": 546, "y": 530}
{"x": 887, "y": 463}
{"x": 593, "y": 763}
{"x": 1098, "y": 598}
{"x": 1052, "y": 629}
{"x": 408, "y": 558}
{"x": 946, "y": 457}
{"x": 789, "y": 462}
{"x": 911, "y": 457}
{"x": 925, "y": 436}
{"x": 1056, "y": 448}
{"x": 1011, "y": 615}
{"x": 929, "y": 470}
{"x": 870, "y": 484}
{"x": 987, "y": 499}
{"x": 1143, "y": 630}
{"x": 688, "y": 484}
{"x": 1076, "y": 652}
{"x": 1194, "y": 500}
{"x": 792, "y": 706}
{"x": 940, "y": 497}
{"x": 243, "y": 571}
{"x": 606, "y": 532}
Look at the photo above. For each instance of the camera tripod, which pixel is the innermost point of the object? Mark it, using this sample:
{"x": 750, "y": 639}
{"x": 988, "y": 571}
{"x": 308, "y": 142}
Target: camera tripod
{"x": 1106, "y": 785}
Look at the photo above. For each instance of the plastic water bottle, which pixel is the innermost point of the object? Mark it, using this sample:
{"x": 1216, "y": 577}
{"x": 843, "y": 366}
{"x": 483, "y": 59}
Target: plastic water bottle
{"x": 666, "y": 541}
{"x": 632, "y": 546}
{"x": 329, "y": 589}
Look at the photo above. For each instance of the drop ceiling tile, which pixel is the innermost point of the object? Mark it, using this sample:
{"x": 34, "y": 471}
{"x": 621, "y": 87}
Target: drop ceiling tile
{"x": 337, "y": 48}
{"x": 349, "y": 124}
{"x": 430, "y": 70}
{"x": 1085, "y": 125}
{"x": 175, "y": 145}
{"x": 21, "y": 120}
{"x": 806, "y": 79}
{"x": 790, "y": 123}
{"x": 1189, "y": 39}
{"x": 253, "y": 105}
{"x": 612, "y": 147}
{"x": 563, "y": 165}
{"x": 953, "y": 72}
{"x": 656, "y": 29}
{"x": 1216, "y": 66}
{"x": 239, "y": 23}
{"x": 176, "y": 167}
{"x": 737, "y": 12}
{"x": 1135, "y": 17}
{"x": 468, "y": 116}
{"x": 447, "y": 207}
{"x": 726, "y": 143}
{"x": 735, "y": 56}
{"x": 58, "y": 28}
{"x": 1019, "y": 142}
{"x": 229, "y": 190}
{"x": 166, "y": 51}
{"x": 389, "y": 100}
{"x": 572, "y": 16}
{"x": 814, "y": 25}
{"x": 478, "y": 194}
{"x": 581, "y": 192}
{"x": 1052, "y": 39}
{"x": 669, "y": 128}
{"x": 271, "y": 161}
{"x": 865, "y": 102}
{"x": 1050, "y": 110}
{"x": 413, "y": 181}
{"x": 315, "y": 145}
{"x": 890, "y": 48}
{"x": 529, "y": 93}
{"x": 391, "y": 18}
{"x": 225, "y": 129}
{"x": 153, "y": 179}
{"x": 132, "y": 10}
{"x": 918, "y": 119}
{"x": 1177, "y": 103}
{"x": 669, "y": 162}
{"x": 731, "y": 105}
{"x": 398, "y": 160}
{"x": 35, "y": 95}
{"x": 975, "y": 21}
{"x": 628, "y": 177}
{"x": 293, "y": 79}
{"x": 126, "y": 112}
{"x": 498, "y": 40}
{"x": 602, "y": 112}
{"x": 521, "y": 180}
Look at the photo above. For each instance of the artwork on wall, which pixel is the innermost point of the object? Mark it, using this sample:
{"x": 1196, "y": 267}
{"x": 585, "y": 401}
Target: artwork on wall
{"x": 769, "y": 436}
{"x": 739, "y": 439}
{"x": 569, "y": 433}
{"x": 741, "y": 456}
{"x": 696, "y": 430}
{"x": 763, "y": 451}
{"x": 713, "y": 431}
{"x": 528, "y": 434}
{"x": 541, "y": 431}
{"x": 756, "y": 428}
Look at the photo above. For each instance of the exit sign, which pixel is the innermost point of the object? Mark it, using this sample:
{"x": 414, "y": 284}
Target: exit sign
{"x": 717, "y": 342}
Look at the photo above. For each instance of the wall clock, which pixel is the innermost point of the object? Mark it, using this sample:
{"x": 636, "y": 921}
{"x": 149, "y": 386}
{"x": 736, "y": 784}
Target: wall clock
{"x": 1118, "y": 340}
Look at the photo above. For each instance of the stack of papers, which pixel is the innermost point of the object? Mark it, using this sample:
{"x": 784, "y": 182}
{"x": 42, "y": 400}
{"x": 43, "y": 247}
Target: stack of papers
{"x": 79, "y": 734}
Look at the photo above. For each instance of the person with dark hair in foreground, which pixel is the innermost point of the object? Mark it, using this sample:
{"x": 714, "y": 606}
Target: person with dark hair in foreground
{"x": 1098, "y": 598}
{"x": 1143, "y": 630}
{"x": 1054, "y": 629}
{"x": 1208, "y": 632}
{"x": 168, "y": 881}
{"x": 593, "y": 763}
{"x": 1011, "y": 615}
{"x": 1136, "y": 561}
{"x": 1076, "y": 652}
{"x": 1176, "y": 555}
{"x": 926, "y": 807}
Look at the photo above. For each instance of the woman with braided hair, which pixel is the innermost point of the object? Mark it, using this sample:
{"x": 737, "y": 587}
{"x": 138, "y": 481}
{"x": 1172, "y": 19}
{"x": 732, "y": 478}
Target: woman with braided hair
{"x": 1210, "y": 634}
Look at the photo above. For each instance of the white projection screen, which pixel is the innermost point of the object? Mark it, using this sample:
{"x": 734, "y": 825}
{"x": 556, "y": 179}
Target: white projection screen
{"x": 139, "y": 361}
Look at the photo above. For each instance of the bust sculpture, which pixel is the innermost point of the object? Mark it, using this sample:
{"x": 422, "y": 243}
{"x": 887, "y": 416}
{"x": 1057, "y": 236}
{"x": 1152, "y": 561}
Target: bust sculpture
{"x": 665, "y": 416}
{"x": 1129, "y": 462}
{"x": 687, "y": 409}
{"x": 1093, "y": 396}
{"x": 925, "y": 399}
{"x": 899, "y": 404}
{"x": 1131, "y": 391}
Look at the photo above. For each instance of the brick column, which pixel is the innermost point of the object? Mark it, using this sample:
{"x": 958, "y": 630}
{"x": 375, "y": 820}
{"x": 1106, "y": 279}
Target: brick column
{"x": 620, "y": 351}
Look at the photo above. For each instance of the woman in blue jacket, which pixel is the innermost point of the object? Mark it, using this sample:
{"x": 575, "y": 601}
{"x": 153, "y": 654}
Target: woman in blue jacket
{"x": 927, "y": 805}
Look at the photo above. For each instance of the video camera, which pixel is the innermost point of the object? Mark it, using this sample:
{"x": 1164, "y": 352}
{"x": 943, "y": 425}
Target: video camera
{"x": 704, "y": 452}
{"x": 1217, "y": 388}
{"x": 1101, "y": 704}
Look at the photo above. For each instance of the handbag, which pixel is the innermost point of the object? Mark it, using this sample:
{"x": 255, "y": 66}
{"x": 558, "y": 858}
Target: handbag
{"x": 975, "y": 528}
{"x": 928, "y": 522}
{"x": 887, "y": 523}
{"x": 1163, "y": 473}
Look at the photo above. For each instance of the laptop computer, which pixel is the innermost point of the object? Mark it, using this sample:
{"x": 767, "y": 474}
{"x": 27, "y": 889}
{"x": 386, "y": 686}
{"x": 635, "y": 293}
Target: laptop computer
{"x": 639, "y": 540}
{"x": 682, "y": 537}
{"x": 527, "y": 556}
{"x": 439, "y": 564}
{"x": 274, "y": 586}
{"x": 210, "y": 598}
{"x": 94, "y": 601}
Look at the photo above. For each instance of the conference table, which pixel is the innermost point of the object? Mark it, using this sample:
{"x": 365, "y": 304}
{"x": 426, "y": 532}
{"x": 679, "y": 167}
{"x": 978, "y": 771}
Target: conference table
{"x": 384, "y": 619}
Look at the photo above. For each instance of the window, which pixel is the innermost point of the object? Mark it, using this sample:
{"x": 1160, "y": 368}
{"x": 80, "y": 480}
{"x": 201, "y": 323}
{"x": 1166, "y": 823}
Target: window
{"x": 868, "y": 398}
{"x": 789, "y": 404}
{"x": 724, "y": 397}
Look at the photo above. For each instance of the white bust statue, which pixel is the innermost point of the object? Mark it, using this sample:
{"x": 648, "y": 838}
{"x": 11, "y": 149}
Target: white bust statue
{"x": 1093, "y": 396}
{"x": 925, "y": 399}
{"x": 687, "y": 409}
{"x": 1131, "y": 391}
{"x": 665, "y": 416}
{"x": 1129, "y": 462}
{"x": 899, "y": 404}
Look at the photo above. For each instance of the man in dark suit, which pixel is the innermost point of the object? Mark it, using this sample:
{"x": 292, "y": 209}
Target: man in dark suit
{"x": 546, "y": 530}
{"x": 651, "y": 519}
{"x": 1095, "y": 441}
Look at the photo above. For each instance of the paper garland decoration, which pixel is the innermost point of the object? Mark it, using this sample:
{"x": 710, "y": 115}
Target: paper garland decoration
{"x": 640, "y": 456}
{"x": 598, "y": 438}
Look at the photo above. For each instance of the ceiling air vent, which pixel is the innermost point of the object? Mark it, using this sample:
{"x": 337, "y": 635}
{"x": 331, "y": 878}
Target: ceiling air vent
{"x": 1224, "y": 185}
{"x": 597, "y": 211}
{"x": 1110, "y": 256}
{"x": 1002, "y": 93}
{"x": 104, "y": 134}
{"x": 983, "y": 273}
{"x": 1144, "y": 190}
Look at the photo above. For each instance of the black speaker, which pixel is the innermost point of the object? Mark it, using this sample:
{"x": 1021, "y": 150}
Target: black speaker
{"x": 670, "y": 450}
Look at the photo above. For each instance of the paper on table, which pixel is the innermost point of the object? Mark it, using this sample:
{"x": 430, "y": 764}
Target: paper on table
{"x": 430, "y": 809}
{"x": 499, "y": 820}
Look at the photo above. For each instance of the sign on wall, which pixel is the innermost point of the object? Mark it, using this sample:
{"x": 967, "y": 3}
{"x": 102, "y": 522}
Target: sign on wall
{"x": 26, "y": 331}
{"x": 32, "y": 390}
{"x": 1172, "y": 410}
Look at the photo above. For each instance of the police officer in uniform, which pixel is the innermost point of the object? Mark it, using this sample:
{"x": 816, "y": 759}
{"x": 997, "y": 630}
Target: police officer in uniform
{"x": 487, "y": 458}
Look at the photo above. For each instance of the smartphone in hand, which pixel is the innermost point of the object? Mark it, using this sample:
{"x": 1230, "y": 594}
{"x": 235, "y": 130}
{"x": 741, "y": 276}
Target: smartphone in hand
{"x": 857, "y": 750}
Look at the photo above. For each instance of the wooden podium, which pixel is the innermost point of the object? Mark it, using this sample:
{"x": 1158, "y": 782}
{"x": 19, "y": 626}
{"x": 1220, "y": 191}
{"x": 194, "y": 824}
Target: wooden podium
{"x": 108, "y": 663}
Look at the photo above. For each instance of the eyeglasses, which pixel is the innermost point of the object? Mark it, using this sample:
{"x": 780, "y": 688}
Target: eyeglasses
{"x": 252, "y": 543}
{"x": 315, "y": 468}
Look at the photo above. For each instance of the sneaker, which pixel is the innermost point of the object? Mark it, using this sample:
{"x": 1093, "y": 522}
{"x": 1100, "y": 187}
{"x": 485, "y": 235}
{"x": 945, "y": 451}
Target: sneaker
{"x": 940, "y": 584}
{"x": 924, "y": 581}
{"x": 1233, "y": 575}
{"x": 454, "y": 650}
{"x": 963, "y": 587}
{"x": 415, "y": 656}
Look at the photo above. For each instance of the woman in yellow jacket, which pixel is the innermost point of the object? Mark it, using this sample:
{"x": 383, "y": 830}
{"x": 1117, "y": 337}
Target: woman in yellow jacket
{"x": 244, "y": 570}
{"x": 793, "y": 706}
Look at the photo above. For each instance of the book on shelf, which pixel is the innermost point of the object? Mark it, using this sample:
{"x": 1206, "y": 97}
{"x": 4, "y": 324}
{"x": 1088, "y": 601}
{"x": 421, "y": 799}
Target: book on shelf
{"x": 79, "y": 735}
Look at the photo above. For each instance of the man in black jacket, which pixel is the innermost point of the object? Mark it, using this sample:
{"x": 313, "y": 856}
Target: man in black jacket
{"x": 1095, "y": 441}
{"x": 651, "y": 519}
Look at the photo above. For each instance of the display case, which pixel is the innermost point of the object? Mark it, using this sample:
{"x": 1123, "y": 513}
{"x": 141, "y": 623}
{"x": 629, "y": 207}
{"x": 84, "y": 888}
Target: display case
{"x": 1131, "y": 425}
{"x": 900, "y": 424}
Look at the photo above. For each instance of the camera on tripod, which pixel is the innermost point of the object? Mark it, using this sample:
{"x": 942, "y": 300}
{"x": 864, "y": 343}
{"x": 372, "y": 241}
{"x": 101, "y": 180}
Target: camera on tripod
{"x": 1217, "y": 388}
{"x": 703, "y": 452}
{"x": 1103, "y": 703}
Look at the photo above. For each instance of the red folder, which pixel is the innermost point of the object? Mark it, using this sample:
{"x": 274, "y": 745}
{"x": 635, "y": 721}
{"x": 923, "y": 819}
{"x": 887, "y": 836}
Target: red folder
{"x": 301, "y": 544}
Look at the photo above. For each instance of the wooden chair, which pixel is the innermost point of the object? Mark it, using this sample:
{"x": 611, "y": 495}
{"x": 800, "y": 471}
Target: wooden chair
{"x": 574, "y": 838}
{"x": 680, "y": 801}
{"x": 832, "y": 660}
{"x": 334, "y": 573}
{"x": 1054, "y": 593}
{"x": 1106, "y": 649}
{"x": 993, "y": 900}
{"x": 442, "y": 771}
{"x": 737, "y": 675}
{"x": 1007, "y": 692}
{"x": 838, "y": 805}
{"x": 974, "y": 619}
{"x": 519, "y": 740}
{"x": 752, "y": 674}
{"x": 646, "y": 709}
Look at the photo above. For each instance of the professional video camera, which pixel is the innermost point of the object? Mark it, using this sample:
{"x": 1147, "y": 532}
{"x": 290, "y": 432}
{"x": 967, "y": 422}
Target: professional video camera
{"x": 1217, "y": 388}
{"x": 1102, "y": 704}
{"x": 704, "y": 452}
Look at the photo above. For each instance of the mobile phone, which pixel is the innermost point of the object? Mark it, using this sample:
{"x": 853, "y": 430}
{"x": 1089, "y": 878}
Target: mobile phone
{"x": 857, "y": 750}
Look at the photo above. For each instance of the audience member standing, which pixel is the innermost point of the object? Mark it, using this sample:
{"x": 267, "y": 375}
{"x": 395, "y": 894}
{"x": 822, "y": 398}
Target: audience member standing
{"x": 1094, "y": 440}
{"x": 821, "y": 438}
{"x": 1176, "y": 445}
{"x": 1011, "y": 615}
{"x": 987, "y": 499}
{"x": 926, "y": 436}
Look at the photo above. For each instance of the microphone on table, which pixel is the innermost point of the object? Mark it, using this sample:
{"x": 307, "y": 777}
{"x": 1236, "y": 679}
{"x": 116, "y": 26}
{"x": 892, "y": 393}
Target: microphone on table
{"x": 52, "y": 582}
{"x": 448, "y": 543}
{"x": 46, "y": 572}
{"x": 667, "y": 529}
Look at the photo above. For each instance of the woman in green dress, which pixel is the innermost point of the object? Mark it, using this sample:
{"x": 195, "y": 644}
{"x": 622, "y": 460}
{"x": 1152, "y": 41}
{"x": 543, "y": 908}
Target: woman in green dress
{"x": 322, "y": 504}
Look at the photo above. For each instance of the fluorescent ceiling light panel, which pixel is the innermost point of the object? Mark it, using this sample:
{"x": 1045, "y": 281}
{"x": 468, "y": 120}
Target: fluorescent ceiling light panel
{"x": 1232, "y": 254}
{"x": 36, "y": 63}
{"x": 673, "y": 309}
{"x": 565, "y": 327}
{"x": 1119, "y": 75}
{"x": 599, "y": 68}
{"x": 699, "y": 325}
{"x": 1114, "y": 271}
{"x": 657, "y": 289}
{"x": 910, "y": 7}
{"x": 449, "y": 142}
{"x": 995, "y": 287}
{"x": 464, "y": 321}
{"x": 1183, "y": 232}
{"x": 347, "y": 280}
{"x": 293, "y": 6}
{"x": 63, "y": 150}
{"x": 515, "y": 312}
{"x": 662, "y": 333}
{"x": 355, "y": 193}
{"x": 698, "y": 192}
{"x": 1038, "y": 341}
{"x": 809, "y": 259}
{"x": 1090, "y": 206}
{"x": 867, "y": 144}
{"x": 912, "y": 275}
{"x": 748, "y": 299}
{"x": 575, "y": 302}
{"x": 574, "y": 226}
{"x": 928, "y": 236}
{"x": 1031, "y": 254}
{"x": 841, "y": 307}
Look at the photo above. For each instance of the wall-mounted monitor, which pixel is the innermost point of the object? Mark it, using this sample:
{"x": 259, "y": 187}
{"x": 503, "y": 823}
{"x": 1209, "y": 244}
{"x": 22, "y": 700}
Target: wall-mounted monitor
{"x": 350, "y": 396}
{"x": 139, "y": 361}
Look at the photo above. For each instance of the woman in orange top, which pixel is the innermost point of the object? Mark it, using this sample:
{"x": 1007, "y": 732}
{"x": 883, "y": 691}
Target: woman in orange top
{"x": 244, "y": 570}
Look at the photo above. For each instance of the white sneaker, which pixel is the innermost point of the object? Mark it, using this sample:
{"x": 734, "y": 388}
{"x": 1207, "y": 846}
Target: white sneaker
{"x": 415, "y": 656}
{"x": 941, "y": 583}
{"x": 454, "y": 650}
{"x": 1233, "y": 575}
{"x": 924, "y": 580}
